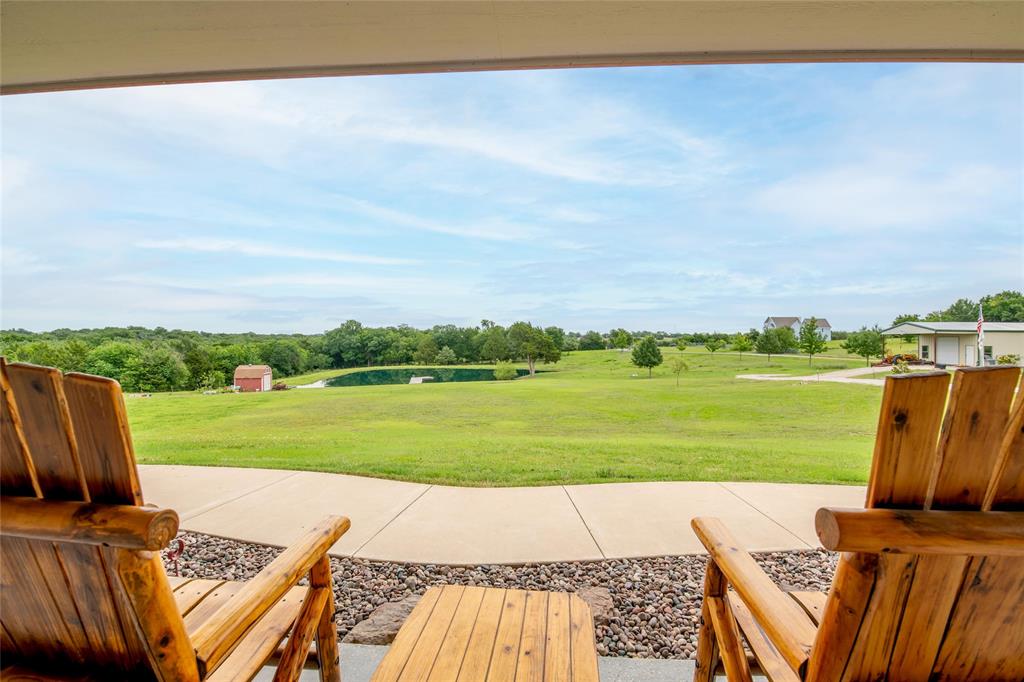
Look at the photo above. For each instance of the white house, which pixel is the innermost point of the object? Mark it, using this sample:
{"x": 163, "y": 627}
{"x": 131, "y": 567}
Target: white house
{"x": 956, "y": 343}
{"x": 824, "y": 328}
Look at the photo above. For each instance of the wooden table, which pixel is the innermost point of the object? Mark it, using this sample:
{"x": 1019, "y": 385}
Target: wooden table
{"x": 477, "y": 634}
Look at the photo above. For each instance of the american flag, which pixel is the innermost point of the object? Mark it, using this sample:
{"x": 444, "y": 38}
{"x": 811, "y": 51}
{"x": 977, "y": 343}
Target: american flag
{"x": 981, "y": 337}
{"x": 981, "y": 319}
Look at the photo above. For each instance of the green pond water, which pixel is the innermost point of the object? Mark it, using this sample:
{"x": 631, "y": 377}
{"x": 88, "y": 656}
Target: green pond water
{"x": 376, "y": 377}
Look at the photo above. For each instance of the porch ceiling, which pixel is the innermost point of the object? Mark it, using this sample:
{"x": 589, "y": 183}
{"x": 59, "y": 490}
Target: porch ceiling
{"x": 86, "y": 44}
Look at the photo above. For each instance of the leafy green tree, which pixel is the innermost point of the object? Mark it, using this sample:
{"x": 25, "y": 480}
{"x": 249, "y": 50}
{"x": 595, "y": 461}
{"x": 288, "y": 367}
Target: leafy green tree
{"x": 678, "y": 366}
{"x": 495, "y": 344}
{"x": 620, "y": 338}
{"x": 427, "y": 350}
{"x": 505, "y": 371}
{"x": 446, "y": 356}
{"x": 345, "y": 344}
{"x": 714, "y": 345}
{"x": 906, "y": 317}
{"x": 647, "y": 354}
{"x": 155, "y": 369}
{"x": 111, "y": 359}
{"x": 557, "y": 335}
{"x": 1006, "y": 306}
{"x": 532, "y": 344}
{"x": 753, "y": 333}
{"x": 962, "y": 310}
{"x": 866, "y": 343}
{"x": 775, "y": 342}
{"x": 285, "y": 357}
{"x": 742, "y": 344}
{"x": 811, "y": 342}
{"x": 592, "y": 341}
{"x": 214, "y": 378}
{"x": 682, "y": 344}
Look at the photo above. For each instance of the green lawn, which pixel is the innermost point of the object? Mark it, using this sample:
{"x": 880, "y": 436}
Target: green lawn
{"x": 596, "y": 418}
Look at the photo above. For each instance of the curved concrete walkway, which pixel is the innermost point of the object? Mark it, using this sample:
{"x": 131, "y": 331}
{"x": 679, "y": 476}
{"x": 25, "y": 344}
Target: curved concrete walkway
{"x": 842, "y": 376}
{"x": 418, "y": 523}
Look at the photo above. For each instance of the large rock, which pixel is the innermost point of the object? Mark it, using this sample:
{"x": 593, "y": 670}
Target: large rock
{"x": 383, "y": 624}
{"x": 600, "y": 601}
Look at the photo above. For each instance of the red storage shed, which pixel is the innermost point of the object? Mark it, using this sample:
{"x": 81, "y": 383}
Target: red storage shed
{"x": 253, "y": 377}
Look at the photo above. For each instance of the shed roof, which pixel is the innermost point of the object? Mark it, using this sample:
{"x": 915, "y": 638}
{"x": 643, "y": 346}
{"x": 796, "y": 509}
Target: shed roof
{"x": 252, "y": 371}
{"x": 910, "y": 328}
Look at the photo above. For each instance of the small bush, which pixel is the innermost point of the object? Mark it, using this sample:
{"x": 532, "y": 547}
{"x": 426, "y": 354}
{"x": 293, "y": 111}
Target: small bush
{"x": 504, "y": 371}
{"x": 1008, "y": 359}
{"x": 446, "y": 356}
{"x": 900, "y": 367}
{"x": 279, "y": 386}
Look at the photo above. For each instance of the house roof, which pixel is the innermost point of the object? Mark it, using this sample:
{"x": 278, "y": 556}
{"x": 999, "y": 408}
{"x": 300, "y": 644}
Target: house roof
{"x": 822, "y": 323}
{"x": 910, "y": 328}
{"x": 783, "y": 321}
{"x": 252, "y": 371}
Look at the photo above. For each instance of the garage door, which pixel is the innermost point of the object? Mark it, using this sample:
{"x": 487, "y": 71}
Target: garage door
{"x": 948, "y": 350}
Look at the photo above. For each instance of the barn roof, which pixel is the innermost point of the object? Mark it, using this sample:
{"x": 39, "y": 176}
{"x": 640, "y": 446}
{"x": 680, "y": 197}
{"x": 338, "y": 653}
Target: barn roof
{"x": 252, "y": 371}
{"x": 922, "y": 327}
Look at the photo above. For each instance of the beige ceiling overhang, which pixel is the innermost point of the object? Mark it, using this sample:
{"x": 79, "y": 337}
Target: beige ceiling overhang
{"x": 60, "y": 45}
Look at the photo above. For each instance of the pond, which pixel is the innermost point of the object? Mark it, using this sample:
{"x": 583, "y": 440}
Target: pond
{"x": 376, "y": 377}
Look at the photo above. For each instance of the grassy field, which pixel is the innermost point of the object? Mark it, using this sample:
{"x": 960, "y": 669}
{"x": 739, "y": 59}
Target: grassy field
{"x": 595, "y": 419}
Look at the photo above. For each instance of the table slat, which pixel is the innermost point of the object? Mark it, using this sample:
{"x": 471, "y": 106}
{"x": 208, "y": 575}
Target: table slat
{"x": 481, "y": 642}
{"x": 453, "y": 650}
{"x": 424, "y": 653}
{"x": 533, "y": 640}
{"x": 581, "y": 632}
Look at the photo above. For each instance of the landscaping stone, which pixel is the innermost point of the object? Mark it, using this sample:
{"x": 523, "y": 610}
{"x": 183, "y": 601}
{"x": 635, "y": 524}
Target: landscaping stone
{"x": 655, "y": 602}
{"x": 600, "y": 601}
{"x": 383, "y": 624}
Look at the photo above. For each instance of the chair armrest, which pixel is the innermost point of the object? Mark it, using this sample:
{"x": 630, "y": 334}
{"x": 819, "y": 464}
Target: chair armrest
{"x": 215, "y": 638}
{"x": 784, "y": 622}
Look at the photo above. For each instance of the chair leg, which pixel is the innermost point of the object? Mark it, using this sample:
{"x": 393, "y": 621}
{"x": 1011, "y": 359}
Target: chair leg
{"x": 326, "y": 632}
{"x": 707, "y": 640}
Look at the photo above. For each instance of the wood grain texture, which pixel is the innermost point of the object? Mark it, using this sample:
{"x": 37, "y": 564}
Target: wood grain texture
{"x": 581, "y": 634}
{"x": 453, "y": 650}
{"x": 1006, "y": 487}
{"x": 505, "y": 654}
{"x": 421, "y": 659}
{"x": 481, "y": 641}
{"x": 218, "y": 635}
{"x": 785, "y": 623}
{"x": 329, "y": 661}
{"x": 394, "y": 660}
{"x": 122, "y": 526}
{"x": 17, "y": 470}
{"x": 772, "y": 664}
{"x": 260, "y": 643}
{"x": 557, "y": 645}
{"x": 813, "y": 603}
{"x": 904, "y": 531}
{"x": 707, "y": 643}
{"x": 303, "y": 632}
{"x": 96, "y": 409}
{"x": 46, "y": 426}
{"x": 729, "y": 642}
{"x": 533, "y": 640}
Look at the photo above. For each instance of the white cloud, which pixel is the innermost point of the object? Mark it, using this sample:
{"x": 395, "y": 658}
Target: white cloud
{"x": 246, "y": 248}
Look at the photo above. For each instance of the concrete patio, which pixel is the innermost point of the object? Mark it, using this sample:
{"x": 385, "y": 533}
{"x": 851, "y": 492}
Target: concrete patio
{"x": 418, "y": 523}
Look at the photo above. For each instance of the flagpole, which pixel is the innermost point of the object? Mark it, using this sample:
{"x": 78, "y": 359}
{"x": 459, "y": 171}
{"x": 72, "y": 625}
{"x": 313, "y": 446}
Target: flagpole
{"x": 981, "y": 336}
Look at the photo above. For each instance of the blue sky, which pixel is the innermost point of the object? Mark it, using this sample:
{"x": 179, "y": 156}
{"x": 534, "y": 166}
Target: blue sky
{"x": 687, "y": 198}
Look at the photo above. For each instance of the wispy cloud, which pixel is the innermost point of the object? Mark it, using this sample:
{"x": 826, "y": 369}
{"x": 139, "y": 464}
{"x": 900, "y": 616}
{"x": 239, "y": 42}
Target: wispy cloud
{"x": 244, "y": 248}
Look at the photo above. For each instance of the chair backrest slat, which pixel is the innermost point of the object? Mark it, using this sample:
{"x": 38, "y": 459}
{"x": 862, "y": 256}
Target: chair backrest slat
{"x": 68, "y": 607}
{"x": 899, "y": 616}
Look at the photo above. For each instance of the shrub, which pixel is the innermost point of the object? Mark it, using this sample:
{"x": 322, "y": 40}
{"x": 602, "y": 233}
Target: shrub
{"x": 446, "y": 356}
{"x": 1008, "y": 359}
{"x": 279, "y": 386}
{"x": 505, "y": 371}
{"x": 900, "y": 367}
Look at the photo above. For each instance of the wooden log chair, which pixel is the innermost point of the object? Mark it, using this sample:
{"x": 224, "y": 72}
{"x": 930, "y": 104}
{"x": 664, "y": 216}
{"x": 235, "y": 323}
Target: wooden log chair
{"x": 930, "y": 582}
{"x": 84, "y": 594}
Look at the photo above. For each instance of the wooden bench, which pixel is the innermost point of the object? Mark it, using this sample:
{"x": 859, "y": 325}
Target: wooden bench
{"x": 930, "y": 585}
{"x": 477, "y": 634}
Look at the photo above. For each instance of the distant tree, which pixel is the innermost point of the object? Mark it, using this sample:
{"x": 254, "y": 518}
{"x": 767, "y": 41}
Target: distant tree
{"x": 486, "y": 324}
{"x": 592, "y": 341}
{"x": 682, "y": 344}
{"x": 753, "y": 334}
{"x": 742, "y": 344}
{"x": 906, "y": 317}
{"x": 505, "y": 371}
{"x": 714, "y": 345}
{"x": 426, "y": 351}
{"x": 112, "y": 358}
{"x": 446, "y": 356}
{"x": 962, "y": 310}
{"x": 620, "y": 338}
{"x": 557, "y": 335}
{"x": 495, "y": 345}
{"x": 284, "y": 356}
{"x": 775, "y": 342}
{"x": 213, "y": 378}
{"x": 532, "y": 344}
{"x": 678, "y": 366}
{"x": 866, "y": 343}
{"x": 647, "y": 354}
{"x": 811, "y": 342}
{"x": 155, "y": 369}
{"x": 1006, "y": 306}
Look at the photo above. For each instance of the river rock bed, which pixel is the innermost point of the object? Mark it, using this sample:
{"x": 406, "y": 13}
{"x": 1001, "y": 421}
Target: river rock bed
{"x": 656, "y": 601}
